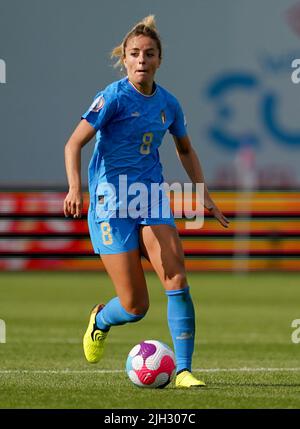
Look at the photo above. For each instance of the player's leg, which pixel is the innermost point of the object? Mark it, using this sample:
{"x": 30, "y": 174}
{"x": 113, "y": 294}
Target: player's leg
{"x": 130, "y": 304}
{"x": 162, "y": 246}
{"x": 132, "y": 300}
{"x": 117, "y": 241}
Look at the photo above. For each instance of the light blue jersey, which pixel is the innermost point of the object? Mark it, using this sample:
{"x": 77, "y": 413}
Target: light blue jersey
{"x": 130, "y": 128}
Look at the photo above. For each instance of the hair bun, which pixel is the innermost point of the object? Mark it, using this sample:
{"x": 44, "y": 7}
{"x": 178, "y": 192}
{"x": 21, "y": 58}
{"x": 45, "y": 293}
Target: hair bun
{"x": 149, "y": 21}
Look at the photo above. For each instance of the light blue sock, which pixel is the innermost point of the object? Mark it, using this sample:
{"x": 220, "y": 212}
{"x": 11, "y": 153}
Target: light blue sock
{"x": 181, "y": 320}
{"x": 114, "y": 314}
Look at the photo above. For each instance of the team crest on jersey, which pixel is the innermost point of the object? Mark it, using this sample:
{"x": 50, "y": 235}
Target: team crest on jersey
{"x": 97, "y": 104}
{"x": 163, "y": 116}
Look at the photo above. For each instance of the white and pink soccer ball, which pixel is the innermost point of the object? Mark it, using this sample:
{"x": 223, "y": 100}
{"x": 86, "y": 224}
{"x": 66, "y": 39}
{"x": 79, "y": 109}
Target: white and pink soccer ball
{"x": 151, "y": 364}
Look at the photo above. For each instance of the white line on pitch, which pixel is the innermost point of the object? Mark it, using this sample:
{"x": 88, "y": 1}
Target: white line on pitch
{"x": 113, "y": 371}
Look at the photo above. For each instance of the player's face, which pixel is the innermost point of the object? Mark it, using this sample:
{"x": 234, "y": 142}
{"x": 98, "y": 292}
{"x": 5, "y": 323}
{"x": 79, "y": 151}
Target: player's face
{"x": 141, "y": 61}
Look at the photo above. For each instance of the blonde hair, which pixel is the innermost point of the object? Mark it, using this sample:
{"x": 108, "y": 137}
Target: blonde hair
{"x": 146, "y": 27}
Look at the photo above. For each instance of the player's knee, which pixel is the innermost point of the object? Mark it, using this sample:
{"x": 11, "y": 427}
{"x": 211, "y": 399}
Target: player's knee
{"x": 177, "y": 281}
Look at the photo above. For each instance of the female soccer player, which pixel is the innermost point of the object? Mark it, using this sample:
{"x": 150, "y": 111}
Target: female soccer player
{"x": 130, "y": 118}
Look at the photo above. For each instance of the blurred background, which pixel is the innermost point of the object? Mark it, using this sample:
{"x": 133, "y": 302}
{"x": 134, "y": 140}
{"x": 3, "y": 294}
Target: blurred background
{"x": 230, "y": 65}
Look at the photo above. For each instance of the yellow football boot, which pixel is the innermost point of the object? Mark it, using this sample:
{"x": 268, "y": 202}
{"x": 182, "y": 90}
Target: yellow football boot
{"x": 93, "y": 340}
{"x": 185, "y": 379}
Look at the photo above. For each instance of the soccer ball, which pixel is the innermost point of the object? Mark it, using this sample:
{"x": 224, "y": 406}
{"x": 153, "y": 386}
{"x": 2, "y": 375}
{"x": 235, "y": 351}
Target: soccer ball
{"x": 151, "y": 364}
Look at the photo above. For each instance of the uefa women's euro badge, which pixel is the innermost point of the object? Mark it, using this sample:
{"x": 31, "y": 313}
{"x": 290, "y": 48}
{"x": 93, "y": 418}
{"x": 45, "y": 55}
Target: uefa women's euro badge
{"x": 97, "y": 104}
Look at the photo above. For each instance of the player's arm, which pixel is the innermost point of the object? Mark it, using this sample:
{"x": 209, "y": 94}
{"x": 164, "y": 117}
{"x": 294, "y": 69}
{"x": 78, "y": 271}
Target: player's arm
{"x": 82, "y": 134}
{"x": 192, "y": 166}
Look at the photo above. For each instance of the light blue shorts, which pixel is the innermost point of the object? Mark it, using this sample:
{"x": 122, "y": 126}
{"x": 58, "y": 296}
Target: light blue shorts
{"x": 117, "y": 235}
{"x": 113, "y": 231}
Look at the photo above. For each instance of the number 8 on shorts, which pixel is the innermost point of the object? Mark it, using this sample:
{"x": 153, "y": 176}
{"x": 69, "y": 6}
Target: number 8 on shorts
{"x": 106, "y": 235}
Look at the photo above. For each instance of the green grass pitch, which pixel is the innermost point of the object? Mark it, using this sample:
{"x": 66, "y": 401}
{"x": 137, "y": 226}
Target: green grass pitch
{"x": 243, "y": 350}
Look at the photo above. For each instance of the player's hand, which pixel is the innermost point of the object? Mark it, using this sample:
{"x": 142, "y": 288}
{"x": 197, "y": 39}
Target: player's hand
{"x": 73, "y": 204}
{"x": 216, "y": 212}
